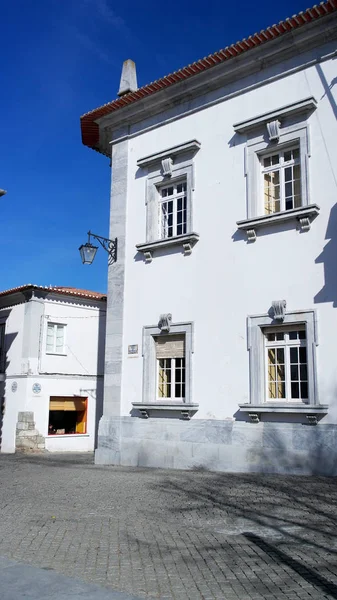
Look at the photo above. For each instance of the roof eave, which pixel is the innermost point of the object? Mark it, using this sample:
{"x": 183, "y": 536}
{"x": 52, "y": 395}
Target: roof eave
{"x": 270, "y": 53}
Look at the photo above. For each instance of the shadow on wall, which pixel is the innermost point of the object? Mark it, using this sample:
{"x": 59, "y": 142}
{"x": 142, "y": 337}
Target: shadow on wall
{"x": 328, "y": 257}
{"x": 9, "y": 339}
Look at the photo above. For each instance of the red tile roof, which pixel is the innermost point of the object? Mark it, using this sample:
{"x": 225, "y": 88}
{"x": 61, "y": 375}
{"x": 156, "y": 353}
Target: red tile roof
{"x": 90, "y": 129}
{"x": 69, "y": 291}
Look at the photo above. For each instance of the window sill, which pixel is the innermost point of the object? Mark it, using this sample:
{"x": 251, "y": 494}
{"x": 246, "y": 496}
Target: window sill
{"x": 304, "y": 215}
{"x": 187, "y": 241}
{"x": 186, "y": 409}
{"x": 311, "y": 411}
{"x": 67, "y": 435}
{"x": 56, "y": 354}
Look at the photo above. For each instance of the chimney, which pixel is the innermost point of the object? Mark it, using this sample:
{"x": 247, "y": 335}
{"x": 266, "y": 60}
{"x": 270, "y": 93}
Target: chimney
{"x": 128, "y": 78}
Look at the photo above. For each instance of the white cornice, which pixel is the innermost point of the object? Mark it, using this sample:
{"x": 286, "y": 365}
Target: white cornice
{"x": 256, "y": 60}
{"x": 147, "y": 161}
{"x": 303, "y": 106}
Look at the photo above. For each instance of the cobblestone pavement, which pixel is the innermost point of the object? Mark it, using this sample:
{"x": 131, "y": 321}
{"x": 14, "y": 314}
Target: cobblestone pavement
{"x": 171, "y": 535}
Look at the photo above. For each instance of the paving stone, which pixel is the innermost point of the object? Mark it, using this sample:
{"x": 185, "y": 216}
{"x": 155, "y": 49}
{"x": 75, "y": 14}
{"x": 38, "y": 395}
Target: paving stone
{"x": 171, "y": 535}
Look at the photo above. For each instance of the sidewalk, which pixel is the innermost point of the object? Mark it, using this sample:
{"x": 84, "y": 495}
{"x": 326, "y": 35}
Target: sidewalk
{"x": 164, "y": 535}
{"x": 22, "y": 581}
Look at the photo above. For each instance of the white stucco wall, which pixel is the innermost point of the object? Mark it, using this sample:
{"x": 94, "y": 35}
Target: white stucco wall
{"x": 225, "y": 279}
{"x": 74, "y": 374}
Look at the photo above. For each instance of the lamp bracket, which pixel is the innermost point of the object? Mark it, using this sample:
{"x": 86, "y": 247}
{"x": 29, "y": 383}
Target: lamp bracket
{"x": 110, "y": 246}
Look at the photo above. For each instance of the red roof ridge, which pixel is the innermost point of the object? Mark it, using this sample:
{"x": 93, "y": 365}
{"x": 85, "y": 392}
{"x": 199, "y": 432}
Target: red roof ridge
{"x": 90, "y": 130}
{"x": 70, "y": 291}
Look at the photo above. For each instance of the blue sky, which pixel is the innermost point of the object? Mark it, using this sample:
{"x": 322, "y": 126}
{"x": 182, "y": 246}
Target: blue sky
{"x": 60, "y": 59}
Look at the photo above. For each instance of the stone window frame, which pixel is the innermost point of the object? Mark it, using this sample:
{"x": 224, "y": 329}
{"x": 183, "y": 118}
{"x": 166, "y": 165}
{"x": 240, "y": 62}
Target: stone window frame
{"x": 171, "y": 165}
{"x": 256, "y": 325}
{"x": 270, "y": 132}
{"x": 149, "y": 401}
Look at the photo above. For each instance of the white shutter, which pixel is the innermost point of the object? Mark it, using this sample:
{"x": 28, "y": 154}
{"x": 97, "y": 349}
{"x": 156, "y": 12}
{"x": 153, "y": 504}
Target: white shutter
{"x": 59, "y": 338}
{"x": 170, "y": 346}
{"x": 50, "y": 337}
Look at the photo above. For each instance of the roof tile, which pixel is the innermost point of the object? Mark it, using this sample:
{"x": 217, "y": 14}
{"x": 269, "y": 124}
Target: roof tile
{"x": 90, "y": 129}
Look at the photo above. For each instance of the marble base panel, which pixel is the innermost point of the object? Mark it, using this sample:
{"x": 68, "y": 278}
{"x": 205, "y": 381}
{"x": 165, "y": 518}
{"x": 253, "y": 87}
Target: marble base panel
{"x": 226, "y": 446}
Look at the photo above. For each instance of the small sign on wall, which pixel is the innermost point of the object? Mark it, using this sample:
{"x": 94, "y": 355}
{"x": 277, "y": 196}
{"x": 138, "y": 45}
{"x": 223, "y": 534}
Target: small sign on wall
{"x": 36, "y": 388}
{"x": 14, "y": 386}
{"x": 133, "y": 350}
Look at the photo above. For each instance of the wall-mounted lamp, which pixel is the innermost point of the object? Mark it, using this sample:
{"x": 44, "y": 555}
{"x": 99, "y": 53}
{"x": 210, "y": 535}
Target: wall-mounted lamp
{"x": 88, "y": 250}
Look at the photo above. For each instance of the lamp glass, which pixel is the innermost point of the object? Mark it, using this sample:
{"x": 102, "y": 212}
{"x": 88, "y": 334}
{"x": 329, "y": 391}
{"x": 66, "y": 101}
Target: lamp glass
{"x": 88, "y": 253}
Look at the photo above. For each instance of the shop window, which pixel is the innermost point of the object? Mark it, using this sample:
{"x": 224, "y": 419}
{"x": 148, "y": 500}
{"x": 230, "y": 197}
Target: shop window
{"x": 67, "y": 415}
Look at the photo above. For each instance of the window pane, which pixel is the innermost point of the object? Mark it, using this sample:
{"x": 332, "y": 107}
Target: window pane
{"x": 296, "y": 154}
{"x": 288, "y": 174}
{"x": 288, "y": 189}
{"x": 304, "y": 390}
{"x": 293, "y": 335}
{"x": 295, "y": 390}
{"x": 164, "y": 378}
{"x": 267, "y": 162}
{"x": 280, "y": 336}
{"x": 303, "y": 355}
{"x": 294, "y": 372}
{"x": 280, "y": 355}
{"x": 272, "y": 390}
{"x": 272, "y": 373}
{"x": 280, "y": 373}
{"x": 272, "y": 192}
{"x": 302, "y": 334}
{"x": 179, "y": 188}
{"x": 281, "y": 389}
{"x": 271, "y": 337}
{"x": 294, "y": 355}
{"x": 271, "y": 356}
{"x": 275, "y": 159}
{"x": 287, "y": 155}
{"x": 303, "y": 372}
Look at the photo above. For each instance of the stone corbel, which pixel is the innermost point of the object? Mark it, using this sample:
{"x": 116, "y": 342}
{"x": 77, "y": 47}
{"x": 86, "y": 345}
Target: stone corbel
{"x": 187, "y": 248}
{"x": 305, "y": 223}
{"x": 279, "y": 308}
{"x": 273, "y": 128}
{"x": 251, "y": 235}
{"x": 254, "y": 417}
{"x": 148, "y": 256}
{"x": 144, "y": 413}
{"x": 166, "y": 166}
{"x": 186, "y": 415}
{"x": 165, "y": 321}
{"x": 312, "y": 419}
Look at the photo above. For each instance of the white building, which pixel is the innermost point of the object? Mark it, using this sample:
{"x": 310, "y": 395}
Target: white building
{"x": 221, "y": 322}
{"x": 51, "y": 367}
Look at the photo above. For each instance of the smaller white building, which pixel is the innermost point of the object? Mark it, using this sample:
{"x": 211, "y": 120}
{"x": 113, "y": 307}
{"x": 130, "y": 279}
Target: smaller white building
{"x": 51, "y": 368}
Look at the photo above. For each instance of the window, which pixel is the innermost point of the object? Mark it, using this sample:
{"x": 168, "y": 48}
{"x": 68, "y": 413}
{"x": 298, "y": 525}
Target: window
{"x": 282, "y": 362}
{"x": 281, "y": 173}
{"x": 2, "y": 349}
{"x": 173, "y": 209}
{"x": 55, "y": 338}
{"x": 169, "y": 188}
{"x": 277, "y": 168}
{"x": 167, "y": 368}
{"x": 67, "y": 415}
{"x": 170, "y": 356}
{"x": 286, "y": 364}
